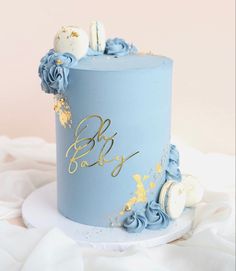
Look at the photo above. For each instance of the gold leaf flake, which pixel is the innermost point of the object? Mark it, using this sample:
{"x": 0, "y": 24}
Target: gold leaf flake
{"x": 158, "y": 168}
{"x": 59, "y": 62}
{"x": 145, "y": 177}
{"x": 74, "y": 34}
{"x": 64, "y": 117}
{"x": 62, "y": 108}
{"x": 152, "y": 185}
{"x": 140, "y": 193}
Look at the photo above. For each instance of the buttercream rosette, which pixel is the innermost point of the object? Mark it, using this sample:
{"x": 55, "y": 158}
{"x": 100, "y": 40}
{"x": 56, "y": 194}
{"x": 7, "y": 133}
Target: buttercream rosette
{"x": 172, "y": 170}
{"x": 54, "y": 71}
{"x": 156, "y": 218}
{"x": 119, "y": 47}
{"x": 135, "y": 223}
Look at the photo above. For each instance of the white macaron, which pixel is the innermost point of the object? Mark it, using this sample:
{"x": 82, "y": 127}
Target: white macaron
{"x": 97, "y": 36}
{"x": 172, "y": 198}
{"x": 71, "y": 39}
{"x": 194, "y": 190}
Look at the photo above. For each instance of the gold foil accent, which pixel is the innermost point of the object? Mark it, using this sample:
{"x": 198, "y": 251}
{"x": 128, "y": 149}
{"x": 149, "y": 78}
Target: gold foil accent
{"x": 159, "y": 168}
{"x": 140, "y": 193}
{"x": 152, "y": 185}
{"x": 74, "y": 34}
{"x": 127, "y": 208}
{"x": 82, "y": 146}
{"x": 62, "y": 108}
{"x": 59, "y": 62}
{"x": 145, "y": 177}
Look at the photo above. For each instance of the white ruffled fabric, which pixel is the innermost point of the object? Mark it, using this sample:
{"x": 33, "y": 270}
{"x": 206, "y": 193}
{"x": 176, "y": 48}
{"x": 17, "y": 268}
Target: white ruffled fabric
{"x": 28, "y": 163}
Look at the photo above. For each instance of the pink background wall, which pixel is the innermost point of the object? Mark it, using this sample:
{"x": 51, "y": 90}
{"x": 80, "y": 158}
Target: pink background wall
{"x": 198, "y": 35}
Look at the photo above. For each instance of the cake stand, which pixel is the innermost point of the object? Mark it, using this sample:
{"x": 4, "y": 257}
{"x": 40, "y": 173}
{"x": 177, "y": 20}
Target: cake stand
{"x": 40, "y": 211}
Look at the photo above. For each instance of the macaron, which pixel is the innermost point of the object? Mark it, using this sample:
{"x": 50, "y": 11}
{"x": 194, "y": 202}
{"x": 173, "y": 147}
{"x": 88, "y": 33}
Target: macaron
{"x": 71, "y": 39}
{"x": 194, "y": 190}
{"x": 172, "y": 198}
{"x": 97, "y": 36}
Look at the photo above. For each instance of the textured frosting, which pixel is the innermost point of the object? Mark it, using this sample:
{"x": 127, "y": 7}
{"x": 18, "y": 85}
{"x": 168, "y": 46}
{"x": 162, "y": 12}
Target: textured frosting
{"x": 136, "y": 222}
{"x": 174, "y": 154}
{"x": 172, "y": 171}
{"x": 119, "y": 47}
{"x": 156, "y": 217}
{"x": 54, "y": 71}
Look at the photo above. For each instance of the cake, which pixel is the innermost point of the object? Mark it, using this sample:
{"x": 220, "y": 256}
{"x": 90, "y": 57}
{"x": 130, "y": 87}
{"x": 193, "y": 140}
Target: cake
{"x": 113, "y": 119}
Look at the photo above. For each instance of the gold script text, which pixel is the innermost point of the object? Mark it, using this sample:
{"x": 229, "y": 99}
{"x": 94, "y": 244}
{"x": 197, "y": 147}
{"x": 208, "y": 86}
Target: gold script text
{"x": 82, "y": 146}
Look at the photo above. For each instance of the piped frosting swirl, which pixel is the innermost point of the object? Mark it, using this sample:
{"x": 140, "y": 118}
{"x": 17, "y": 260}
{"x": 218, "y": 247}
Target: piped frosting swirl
{"x": 156, "y": 217}
{"x": 172, "y": 170}
{"x": 54, "y": 70}
{"x": 135, "y": 223}
{"x": 119, "y": 47}
{"x": 174, "y": 154}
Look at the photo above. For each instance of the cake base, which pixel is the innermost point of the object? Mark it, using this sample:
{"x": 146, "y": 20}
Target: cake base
{"x": 40, "y": 211}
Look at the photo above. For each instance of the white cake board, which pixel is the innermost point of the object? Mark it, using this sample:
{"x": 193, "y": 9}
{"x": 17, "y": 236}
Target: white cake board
{"x": 40, "y": 211}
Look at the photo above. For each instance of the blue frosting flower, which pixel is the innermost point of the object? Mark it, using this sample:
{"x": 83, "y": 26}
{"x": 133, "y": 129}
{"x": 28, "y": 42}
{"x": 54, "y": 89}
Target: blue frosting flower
{"x": 119, "y": 47}
{"x": 172, "y": 170}
{"x": 174, "y": 154}
{"x": 54, "y": 71}
{"x": 136, "y": 222}
{"x": 156, "y": 217}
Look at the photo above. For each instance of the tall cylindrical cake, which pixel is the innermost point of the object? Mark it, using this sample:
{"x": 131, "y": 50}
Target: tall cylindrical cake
{"x": 113, "y": 117}
{"x": 120, "y": 111}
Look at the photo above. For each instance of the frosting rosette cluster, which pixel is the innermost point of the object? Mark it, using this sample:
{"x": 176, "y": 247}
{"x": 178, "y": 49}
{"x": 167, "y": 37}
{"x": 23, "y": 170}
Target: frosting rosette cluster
{"x": 172, "y": 170}
{"x": 119, "y": 47}
{"x": 54, "y": 71}
{"x": 153, "y": 218}
{"x": 136, "y": 222}
{"x": 156, "y": 217}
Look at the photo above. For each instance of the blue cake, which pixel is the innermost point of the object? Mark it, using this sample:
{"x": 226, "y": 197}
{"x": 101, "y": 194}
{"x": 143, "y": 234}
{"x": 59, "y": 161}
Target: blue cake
{"x": 113, "y": 118}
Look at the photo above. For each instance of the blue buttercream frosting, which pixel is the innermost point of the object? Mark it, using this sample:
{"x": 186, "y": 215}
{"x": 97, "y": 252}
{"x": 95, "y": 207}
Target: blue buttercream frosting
{"x": 174, "y": 154}
{"x": 172, "y": 170}
{"x": 134, "y": 223}
{"x": 54, "y": 71}
{"x": 98, "y": 85}
{"x": 119, "y": 47}
{"x": 92, "y": 52}
{"x": 156, "y": 217}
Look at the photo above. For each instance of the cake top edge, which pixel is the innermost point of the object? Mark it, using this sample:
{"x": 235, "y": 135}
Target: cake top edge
{"x": 127, "y": 63}
{"x": 74, "y": 49}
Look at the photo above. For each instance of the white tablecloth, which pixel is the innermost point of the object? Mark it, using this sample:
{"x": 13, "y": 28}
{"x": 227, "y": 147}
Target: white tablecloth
{"x": 28, "y": 163}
